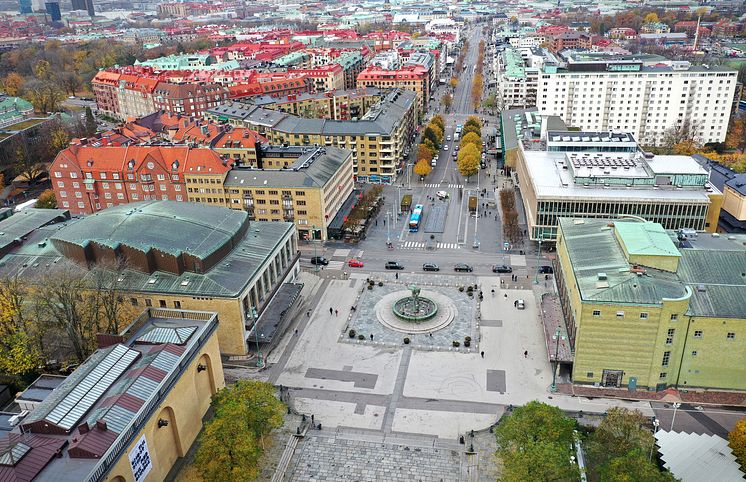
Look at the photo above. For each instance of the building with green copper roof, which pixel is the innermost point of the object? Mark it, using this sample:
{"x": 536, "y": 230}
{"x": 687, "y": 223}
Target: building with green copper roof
{"x": 648, "y": 308}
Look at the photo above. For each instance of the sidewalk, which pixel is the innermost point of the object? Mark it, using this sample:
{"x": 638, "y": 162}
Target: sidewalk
{"x": 708, "y": 397}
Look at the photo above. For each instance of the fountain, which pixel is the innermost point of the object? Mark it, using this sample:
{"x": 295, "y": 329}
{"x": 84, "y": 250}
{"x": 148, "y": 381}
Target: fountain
{"x": 415, "y": 308}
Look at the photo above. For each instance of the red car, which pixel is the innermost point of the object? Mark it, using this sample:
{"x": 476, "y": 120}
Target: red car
{"x": 355, "y": 263}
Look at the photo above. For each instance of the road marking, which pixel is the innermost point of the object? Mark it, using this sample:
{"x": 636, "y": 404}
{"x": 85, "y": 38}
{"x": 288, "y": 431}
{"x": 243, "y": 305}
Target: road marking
{"x": 451, "y": 186}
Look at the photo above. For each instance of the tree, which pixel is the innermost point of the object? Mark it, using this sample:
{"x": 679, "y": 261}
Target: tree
{"x": 424, "y": 152}
{"x": 42, "y": 70}
{"x": 686, "y": 131}
{"x": 90, "y": 122}
{"x": 447, "y": 101}
{"x": 473, "y": 121}
{"x": 535, "y": 442}
{"x": 13, "y": 84}
{"x": 736, "y": 137}
{"x": 652, "y": 17}
{"x": 19, "y": 354}
{"x": 60, "y": 139}
{"x": 431, "y": 135}
{"x": 471, "y": 128}
{"x": 471, "y": 139}
{"x": 490, "y": 103}
{"x": 439, "y": 121}
{"x": 453, "y": 82}
{"x": 737, "y": 441}
{"x": 70, "y": 81}
{"x": 422, "y": 168}
{"x": 632, "y": 467}
{"x": 46, "y": 200}
{"x": 686, "y": 147}
{"x": 233, "y": 441}
{"x": 468, "y": 166}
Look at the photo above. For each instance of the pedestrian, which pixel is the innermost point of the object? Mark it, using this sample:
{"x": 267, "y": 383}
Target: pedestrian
{"x": 506, "y": 295}
{"x": 308, "y": 313}
{"x": 336, "y": 313}
{"x": 431, "y": 335}
{"x": 331, "y": 310}
{"x": 525, "y": 354}
{"x": 515, "y": 303}
{"x": 296, "y": 332}
{"x": 397, "y": 275}
{"x": 482, "y": 354}
{"x": 376, "y": 222}
{"x": 371, "y": 337}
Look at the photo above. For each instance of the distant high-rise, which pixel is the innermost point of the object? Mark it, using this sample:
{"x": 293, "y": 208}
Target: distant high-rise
{"x": 84, "y": 5}
{"x": 24, "y": 6}
{"x": 53, "y": 10}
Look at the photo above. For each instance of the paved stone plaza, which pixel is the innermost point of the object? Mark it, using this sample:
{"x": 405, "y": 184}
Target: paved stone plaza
{"x": 365, "y": 322}
{"x": 331, "y": 458}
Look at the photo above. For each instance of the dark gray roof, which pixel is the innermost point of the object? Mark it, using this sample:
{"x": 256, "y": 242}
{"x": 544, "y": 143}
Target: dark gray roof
{"x": 719, "y": 174}
{"x": 20, "y": 224}
{"x": 738, "y": 184}
{"x": 318, "y": 173}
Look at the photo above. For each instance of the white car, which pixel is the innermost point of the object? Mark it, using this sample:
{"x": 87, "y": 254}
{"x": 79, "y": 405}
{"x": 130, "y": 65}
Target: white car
{"x": 441, "y": 194}
{"x": 445, "y": 148}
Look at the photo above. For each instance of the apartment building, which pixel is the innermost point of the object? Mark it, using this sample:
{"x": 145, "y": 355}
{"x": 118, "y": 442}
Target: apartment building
{"x": 302, "y": 185}
{"x": 597, "y": 93}
{"x": 603, "y": 174}
{"x": 649, "y": 308}
{"x": 410, "y": 77}
{"x": 517, "y": 79}
{"x": 89, "y": 179}
{"x": 379, "y": 140}
{"x": 135, "y": 96}
{"x": 190, "y": 100}
{"x": 325, "y": 78}
{"x": 337, "y": 105}
{"x": 105, "y": 85}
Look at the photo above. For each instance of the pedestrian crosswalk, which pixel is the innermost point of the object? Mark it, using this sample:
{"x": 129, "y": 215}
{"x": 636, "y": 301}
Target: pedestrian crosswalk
{"x": 452, "y": 186}
{"x": 335, "y": 265}
{"x": 421, "y": 245}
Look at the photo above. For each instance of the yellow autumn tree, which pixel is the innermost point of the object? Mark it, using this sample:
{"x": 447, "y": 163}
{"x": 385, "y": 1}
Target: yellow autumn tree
{"x": 422, "y": 168}
{"x": 737, "y": 441}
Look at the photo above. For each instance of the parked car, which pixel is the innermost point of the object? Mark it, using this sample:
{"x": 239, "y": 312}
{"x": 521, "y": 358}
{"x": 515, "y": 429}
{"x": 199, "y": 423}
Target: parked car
{"x": 394, "y": 265}
{"x": 520, "y": 304}
{"x": 445, "y": 147}
{"x": 320, "y": 260}
{"x": 502, "y": 268}
{"x": 546, "y": 270}
{"x": 462, "y": 267}
{"x": 430, "y": 267}
{"x": 355, "y": 263}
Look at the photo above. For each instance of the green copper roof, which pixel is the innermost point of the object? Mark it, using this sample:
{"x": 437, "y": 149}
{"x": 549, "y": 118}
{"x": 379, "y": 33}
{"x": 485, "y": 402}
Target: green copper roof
{"x": 645, "y": 239}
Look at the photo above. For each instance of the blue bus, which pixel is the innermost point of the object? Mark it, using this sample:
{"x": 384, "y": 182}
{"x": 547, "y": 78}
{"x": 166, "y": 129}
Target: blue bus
{"x": 415, "y": 218}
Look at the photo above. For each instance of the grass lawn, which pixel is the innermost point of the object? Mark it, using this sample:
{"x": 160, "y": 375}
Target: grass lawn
{"x": 24, "y": 125}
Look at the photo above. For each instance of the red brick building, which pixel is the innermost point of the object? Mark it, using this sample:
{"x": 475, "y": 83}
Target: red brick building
{"x": 105, "y": 85}
{"x": 188, "y": 99}
{"x": 88, "y": 179}
{"x": 325, "y": 78}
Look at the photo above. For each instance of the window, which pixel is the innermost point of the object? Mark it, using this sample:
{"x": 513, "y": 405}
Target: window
{"x": 669, "y": 336}
{"x": 620, "y": 314}
{"x": 133, "y": 301}
{"x": 697, "y": 333}
{"x": 177, "y": 304}
{"x": 674, "y": 317}
{"x": 148, "y": 302}
{"x": 589, "y": 375}
{"x": 596, "y": 312}
{"x": 730, "y": 336}
{"x": 663, "y": 375}
{"x": 666, "y": 357}
{"x": 300, "y": 203}
{"x": 643, "y": 316}
{"x": 162, "y": 303}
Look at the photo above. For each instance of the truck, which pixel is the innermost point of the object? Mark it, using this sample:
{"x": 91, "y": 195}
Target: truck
{"x": 406, "y": 203}
{"x": 455, "y": 136}
{"x": 472, "y": 204}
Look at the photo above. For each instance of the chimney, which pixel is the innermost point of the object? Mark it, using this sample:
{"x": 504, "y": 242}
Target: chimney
{"x": 83, "y": 428}
{"x": 101, "y": 424}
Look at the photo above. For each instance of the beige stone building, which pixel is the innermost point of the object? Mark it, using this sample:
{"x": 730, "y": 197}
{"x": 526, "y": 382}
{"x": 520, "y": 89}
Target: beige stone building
{"x": 379, "y": 141}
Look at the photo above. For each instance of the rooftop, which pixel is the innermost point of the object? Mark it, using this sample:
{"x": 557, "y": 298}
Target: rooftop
{"x": 96, "y": 413}
{"x": 692, "y": 457}
{"x": 313, "y": 168}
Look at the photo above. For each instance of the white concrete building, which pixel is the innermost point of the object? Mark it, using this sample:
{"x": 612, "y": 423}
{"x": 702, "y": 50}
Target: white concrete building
{"x": 646, "y": 100}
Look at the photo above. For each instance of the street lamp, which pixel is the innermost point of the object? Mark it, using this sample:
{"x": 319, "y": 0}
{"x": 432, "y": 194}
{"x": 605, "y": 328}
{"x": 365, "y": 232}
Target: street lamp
{"x": 388, "y": 228}
{"x": 538, "y": 260}
{"x": 315, "y": 256}
{"x": 656, "y": 424}
{"x": 675, "y": 407}
{"x": 557, "y": 337}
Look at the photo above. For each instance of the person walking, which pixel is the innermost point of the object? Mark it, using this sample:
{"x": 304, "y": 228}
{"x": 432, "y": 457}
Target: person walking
{"x": 525, "y": 354}
{"x": 482, "y": 354}
{"x": 331, "y": 311}
{"x": 336, "y": 313}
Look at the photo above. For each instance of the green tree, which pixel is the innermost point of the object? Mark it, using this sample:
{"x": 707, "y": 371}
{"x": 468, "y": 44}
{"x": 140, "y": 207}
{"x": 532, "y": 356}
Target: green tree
{"x": 46, "y": 200}
{"x": 19, "y": 354}
{"x": 473, "y": 121}
{"x": 431, "y": 135}
{"x": 233, "y": 441}
{"x": 90, "y": 122}
{"x": 633, "y": 466}
{"x": 737, "y": 441}
{"x": 535, "y": 443}
{"x": 471, "y": 128}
